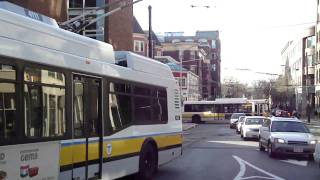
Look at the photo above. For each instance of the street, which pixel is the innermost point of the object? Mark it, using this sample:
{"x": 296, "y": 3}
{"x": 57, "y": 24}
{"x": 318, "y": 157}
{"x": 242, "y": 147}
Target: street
{"x": 213, "y": 151}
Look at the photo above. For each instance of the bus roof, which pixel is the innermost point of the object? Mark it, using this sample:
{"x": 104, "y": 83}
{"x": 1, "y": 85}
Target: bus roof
{"x": 231, "y": 100}
{"x": 45, "y": 35}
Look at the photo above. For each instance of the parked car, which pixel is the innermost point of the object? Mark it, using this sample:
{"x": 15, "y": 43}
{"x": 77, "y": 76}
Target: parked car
{"x": 239, "y": 124}
{"x": 234, "y": 119}
{"x": 250, "y": 126}
{"x": 316, "y": 154}
{"x": 281, "y": 135}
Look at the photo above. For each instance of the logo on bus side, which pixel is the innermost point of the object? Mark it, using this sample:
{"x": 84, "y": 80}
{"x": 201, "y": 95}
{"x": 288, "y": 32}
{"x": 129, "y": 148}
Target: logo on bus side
{"x": 2, "y": 156}
{"x": 109, "y": 149}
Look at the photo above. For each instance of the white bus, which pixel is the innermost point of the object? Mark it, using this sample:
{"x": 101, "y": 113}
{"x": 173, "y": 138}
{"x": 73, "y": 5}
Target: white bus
{"x": 68, "y": 110}
{"x": 221, "y": 109}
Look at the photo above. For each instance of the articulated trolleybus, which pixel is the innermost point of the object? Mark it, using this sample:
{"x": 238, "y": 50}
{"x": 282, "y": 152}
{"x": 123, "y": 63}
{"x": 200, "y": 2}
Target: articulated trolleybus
{"x": 72, "y": 108}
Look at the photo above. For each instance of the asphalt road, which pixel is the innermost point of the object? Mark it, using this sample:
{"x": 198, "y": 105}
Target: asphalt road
{"x": 213, "y": 151}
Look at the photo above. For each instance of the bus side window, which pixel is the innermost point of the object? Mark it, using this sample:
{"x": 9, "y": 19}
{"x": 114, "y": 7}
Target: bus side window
{"x": 160, "y": 106}
{"x": 44, "y": 94}
{"x": 79, "y": 129}
{"x": 120, "y": 111}
{"x": 7, "y": 102}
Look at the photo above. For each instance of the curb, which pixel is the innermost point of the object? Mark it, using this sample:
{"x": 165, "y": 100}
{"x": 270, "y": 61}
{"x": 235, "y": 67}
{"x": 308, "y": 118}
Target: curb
{"x": 187, "y": 126}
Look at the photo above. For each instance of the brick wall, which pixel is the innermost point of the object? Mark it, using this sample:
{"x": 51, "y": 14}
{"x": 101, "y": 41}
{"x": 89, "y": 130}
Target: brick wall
{"x": 120, "y": 28}
{"x": 56, "y": 9}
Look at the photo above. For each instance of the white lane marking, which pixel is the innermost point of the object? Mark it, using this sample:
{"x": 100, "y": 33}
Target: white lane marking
{"x": 240, "y": 143}
{"x": 243, "y": 164}
{"x": 296, "y": 162}
{"x": 258, "y": 177}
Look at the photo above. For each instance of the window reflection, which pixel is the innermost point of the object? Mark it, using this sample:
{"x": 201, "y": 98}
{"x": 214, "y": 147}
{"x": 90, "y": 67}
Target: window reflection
{"x": 7, "y": 72}
{"x": 7, "y": 110}
{"x": 44, "y": 103}
{"x": 44, "y": 76}
{"x": 120, "y": 106}
{"x": 7, "y": 101}
{"x": 78, "y": 110}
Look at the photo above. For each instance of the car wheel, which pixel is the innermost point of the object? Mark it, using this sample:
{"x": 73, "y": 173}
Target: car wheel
{"x": 261, "y": 148}
{"x": 148, "y": 164}
{"x": 196, "y": 119}
{"x": 270, "y": 150}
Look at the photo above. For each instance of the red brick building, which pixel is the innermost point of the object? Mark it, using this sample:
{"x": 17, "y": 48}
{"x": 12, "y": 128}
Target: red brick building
{"x": 199, "y": 54}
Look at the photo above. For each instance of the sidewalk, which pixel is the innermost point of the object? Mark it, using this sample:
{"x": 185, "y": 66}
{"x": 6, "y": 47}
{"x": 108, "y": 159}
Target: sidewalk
{"x": 314, "y": 126}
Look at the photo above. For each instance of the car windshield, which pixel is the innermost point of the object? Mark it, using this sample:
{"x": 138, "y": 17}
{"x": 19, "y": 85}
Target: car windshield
{"x": 254, "y": 121}
{"x": 287, "y": 126}
{"x": 236, "y": 116}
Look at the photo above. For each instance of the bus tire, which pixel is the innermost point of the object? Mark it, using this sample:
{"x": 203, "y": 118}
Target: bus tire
{"x": 148, "y": 161}
{"x": 196, "y": 119}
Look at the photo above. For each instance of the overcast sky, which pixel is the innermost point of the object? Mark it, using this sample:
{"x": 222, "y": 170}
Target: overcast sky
{"x": 253, "y": 32}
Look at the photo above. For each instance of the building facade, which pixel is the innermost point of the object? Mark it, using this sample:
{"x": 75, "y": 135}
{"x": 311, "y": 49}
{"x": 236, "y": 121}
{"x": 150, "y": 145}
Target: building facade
{"x": 115, "y": 29}
{"x": 298, "y": 59}
{"x": 188, "y": 82}
{"x": 140, "y": 40}
{"x": 201, "y": 55}
{"x": 317, "y": 66}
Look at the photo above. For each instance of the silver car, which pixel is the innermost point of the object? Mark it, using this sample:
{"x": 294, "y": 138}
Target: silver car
{"x": 250, "y": 126}
{"x": 239, "y": 124}
{"x": 286, "y": 136}
{"x": 234, "y": 119}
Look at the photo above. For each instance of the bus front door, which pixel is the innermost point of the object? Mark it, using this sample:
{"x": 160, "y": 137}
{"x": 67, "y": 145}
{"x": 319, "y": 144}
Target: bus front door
{"x": 88, "y": 139}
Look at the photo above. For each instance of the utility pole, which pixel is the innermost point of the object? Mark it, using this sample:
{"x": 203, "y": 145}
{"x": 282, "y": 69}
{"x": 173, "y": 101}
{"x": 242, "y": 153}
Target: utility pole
{"x": 150, "y": 34}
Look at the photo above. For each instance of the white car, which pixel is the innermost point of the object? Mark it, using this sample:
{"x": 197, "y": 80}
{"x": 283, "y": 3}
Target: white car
{"x": 234, "y": 119}
{"x": 281, "y": 135}
{"x": 250, "y": 126}
{"x": 239, "y": 124}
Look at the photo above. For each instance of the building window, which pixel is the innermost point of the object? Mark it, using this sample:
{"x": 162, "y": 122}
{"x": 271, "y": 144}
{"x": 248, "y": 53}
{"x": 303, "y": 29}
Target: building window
{"x": 213, "y": 44}
{"x": 76, "y": 4}
{"x": 310, "y": 60}
{"x": 138, "y": 46}
{"x": 182, "y": 82}
{"x": 192, "y": 54}
{"x": 214, "y": 67}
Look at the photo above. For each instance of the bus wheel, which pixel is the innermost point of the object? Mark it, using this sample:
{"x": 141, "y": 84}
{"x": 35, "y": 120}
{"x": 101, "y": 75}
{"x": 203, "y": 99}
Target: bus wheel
{"x": 196, "y": 119}
{"x": 148, "y": 163}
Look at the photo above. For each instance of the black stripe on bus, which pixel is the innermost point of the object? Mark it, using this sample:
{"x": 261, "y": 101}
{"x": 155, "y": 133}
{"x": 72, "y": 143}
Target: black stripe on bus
{"x": 110, "y": 159}
{"x": 170, "y": 147}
